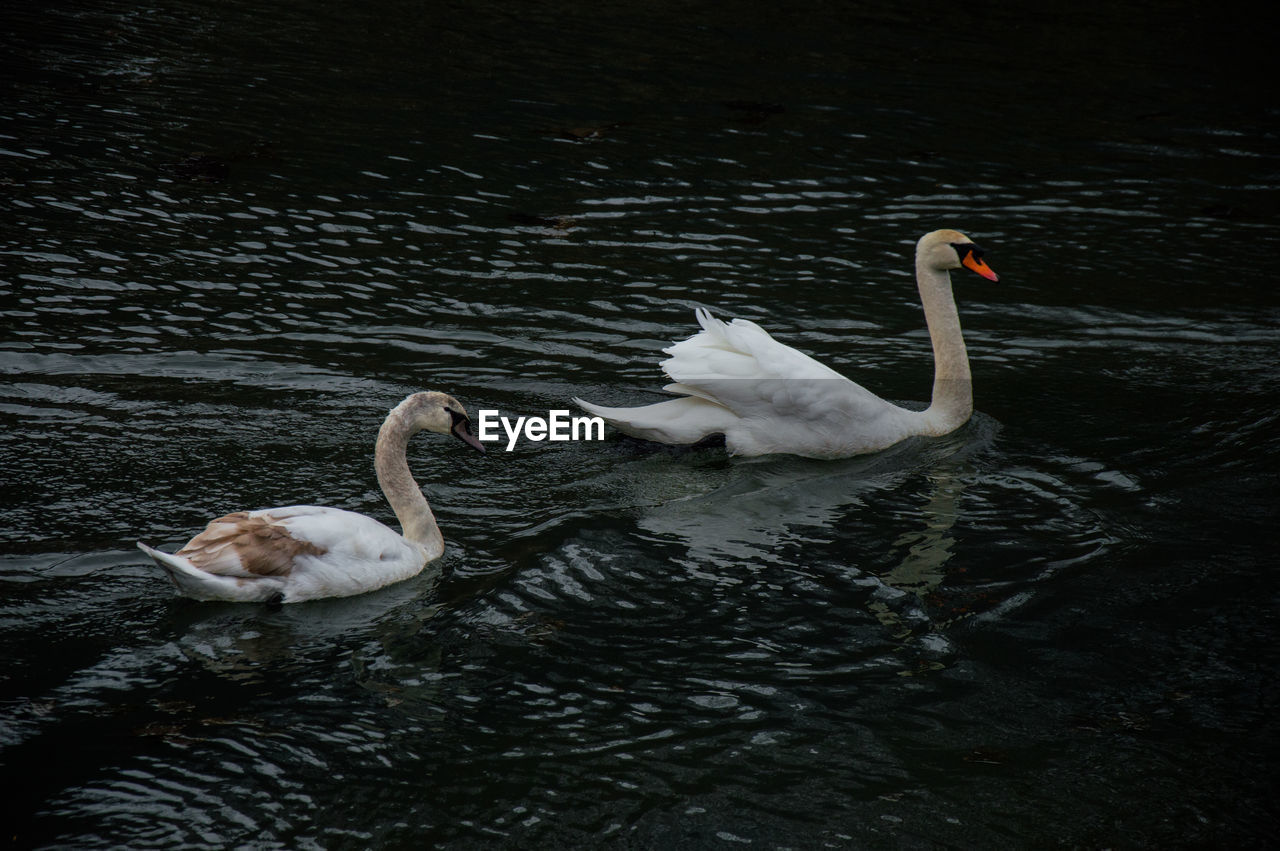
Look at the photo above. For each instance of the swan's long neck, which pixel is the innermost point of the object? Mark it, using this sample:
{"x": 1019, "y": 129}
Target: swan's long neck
{"x": 952, "y": 402}
{"x": 392, "y": 465}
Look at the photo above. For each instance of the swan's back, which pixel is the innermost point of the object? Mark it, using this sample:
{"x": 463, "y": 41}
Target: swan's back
{"x": 763, "y": 396}
{"x": 300, "y": 552}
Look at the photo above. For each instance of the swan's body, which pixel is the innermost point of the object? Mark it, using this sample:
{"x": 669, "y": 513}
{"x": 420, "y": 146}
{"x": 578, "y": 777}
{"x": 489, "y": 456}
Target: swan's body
{"x": 303, "y": 552}
{"x": 766, "y": 397}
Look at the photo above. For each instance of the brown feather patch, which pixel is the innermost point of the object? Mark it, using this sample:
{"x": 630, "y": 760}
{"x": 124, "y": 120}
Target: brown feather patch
{"x": 239, "y": 543}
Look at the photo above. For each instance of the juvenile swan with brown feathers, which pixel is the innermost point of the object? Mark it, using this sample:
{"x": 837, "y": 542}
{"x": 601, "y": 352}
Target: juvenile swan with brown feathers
{"x": 766, "y": 397}
{"x": 303, "y": 552}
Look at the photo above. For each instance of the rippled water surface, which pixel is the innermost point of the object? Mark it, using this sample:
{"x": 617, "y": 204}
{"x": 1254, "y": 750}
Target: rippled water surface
{"x": 233, "y": 235}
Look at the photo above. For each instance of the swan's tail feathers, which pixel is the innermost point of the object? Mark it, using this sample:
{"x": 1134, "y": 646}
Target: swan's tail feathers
{"x": 678, "y": 421}
{"x": 197, "y": 583}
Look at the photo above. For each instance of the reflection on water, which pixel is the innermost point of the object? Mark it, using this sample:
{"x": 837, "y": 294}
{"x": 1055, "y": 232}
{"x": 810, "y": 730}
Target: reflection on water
{"x": 927, "y": 551}
{"x": 227, "y": 248}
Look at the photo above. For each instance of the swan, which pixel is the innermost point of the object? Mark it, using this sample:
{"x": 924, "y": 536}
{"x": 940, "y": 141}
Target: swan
{"x": 766, "y": 397}
{"x": 303, "y": 552}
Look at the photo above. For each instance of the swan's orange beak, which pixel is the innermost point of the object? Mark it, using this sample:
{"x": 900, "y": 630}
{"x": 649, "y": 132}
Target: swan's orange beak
{"x": 979, "y": 265}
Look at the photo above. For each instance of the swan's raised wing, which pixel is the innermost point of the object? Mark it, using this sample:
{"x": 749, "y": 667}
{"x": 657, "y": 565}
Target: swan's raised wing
{"x": 763, "y": 396}
{"x": 738, "y": 349}
{"x": 739, "y": 366}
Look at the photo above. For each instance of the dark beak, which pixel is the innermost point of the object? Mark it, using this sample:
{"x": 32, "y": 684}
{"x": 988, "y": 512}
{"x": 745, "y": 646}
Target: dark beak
{"x": 462, "y": 431}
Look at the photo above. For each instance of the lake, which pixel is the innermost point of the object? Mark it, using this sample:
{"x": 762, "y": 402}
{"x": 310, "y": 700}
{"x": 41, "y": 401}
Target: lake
{"x": 235, "y": 234}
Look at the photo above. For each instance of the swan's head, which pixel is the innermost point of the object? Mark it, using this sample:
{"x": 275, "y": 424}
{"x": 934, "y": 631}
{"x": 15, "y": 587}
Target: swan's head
{"x": 438, "y": 412}
{"x": 950, "y": 249}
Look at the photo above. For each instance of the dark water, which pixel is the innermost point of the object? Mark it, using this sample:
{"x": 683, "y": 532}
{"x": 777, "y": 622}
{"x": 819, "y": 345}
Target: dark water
{"x": 235, "y": 234}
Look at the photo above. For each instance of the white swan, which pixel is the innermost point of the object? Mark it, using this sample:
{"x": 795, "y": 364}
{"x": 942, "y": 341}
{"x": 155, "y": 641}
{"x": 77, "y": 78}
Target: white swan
{"x": 765, "y": 397}
{"x": 302, "y": 552}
